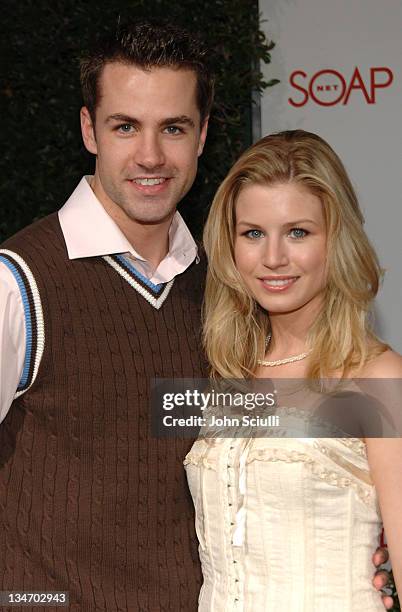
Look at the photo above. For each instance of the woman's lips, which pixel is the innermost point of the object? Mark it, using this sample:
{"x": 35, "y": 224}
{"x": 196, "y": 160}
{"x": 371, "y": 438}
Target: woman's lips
{"x": 278, "y": 284}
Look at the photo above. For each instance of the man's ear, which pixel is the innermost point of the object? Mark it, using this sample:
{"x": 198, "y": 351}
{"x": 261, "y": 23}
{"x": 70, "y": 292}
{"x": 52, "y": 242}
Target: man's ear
{"x": 203, "y": 136}
{"x": 88, "y": 131}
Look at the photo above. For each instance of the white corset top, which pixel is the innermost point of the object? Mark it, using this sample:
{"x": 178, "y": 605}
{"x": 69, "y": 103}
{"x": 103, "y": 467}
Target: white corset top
{"x": 285, "y": 524}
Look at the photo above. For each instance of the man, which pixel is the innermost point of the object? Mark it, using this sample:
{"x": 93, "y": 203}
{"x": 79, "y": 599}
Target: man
{"x": 97, "y": 300}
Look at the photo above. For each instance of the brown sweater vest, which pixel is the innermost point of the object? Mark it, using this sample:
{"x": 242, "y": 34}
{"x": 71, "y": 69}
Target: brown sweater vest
{"x": 90, "y": 502}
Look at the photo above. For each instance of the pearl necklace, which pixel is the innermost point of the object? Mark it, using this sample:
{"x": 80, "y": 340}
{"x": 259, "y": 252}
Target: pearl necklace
{"x": 278, "y": 362}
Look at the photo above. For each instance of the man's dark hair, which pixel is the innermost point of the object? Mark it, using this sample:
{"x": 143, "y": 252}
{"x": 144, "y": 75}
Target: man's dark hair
{"x": 148, "y": 45}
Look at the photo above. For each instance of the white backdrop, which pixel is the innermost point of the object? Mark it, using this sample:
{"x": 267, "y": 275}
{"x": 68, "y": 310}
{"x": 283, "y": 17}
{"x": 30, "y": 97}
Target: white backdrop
{"x": 340, "y": 66}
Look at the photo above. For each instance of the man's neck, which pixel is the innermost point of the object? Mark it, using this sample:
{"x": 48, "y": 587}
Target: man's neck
{"x": 150, "y": 240}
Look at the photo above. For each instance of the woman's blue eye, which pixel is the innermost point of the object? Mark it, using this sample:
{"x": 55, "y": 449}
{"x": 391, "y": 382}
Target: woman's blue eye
{"x": 298, "y": 232}
{"x": 254, "y": 233}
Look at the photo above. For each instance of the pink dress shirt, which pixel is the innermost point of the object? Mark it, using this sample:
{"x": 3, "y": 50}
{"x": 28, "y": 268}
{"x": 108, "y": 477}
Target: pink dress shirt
{"x": 79, "y": 216}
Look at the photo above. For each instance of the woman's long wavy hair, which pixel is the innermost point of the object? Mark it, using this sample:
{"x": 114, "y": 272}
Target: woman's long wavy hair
{"x": 235, "y": 326}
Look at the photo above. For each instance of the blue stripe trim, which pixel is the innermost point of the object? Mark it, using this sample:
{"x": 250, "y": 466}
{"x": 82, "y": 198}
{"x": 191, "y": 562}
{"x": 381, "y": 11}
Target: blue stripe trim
{"x": 28, "y": 321}
{"x": 125, "y": 262}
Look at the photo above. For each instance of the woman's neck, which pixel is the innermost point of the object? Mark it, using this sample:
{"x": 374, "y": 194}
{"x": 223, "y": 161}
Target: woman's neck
{"x": 289, "y": 332}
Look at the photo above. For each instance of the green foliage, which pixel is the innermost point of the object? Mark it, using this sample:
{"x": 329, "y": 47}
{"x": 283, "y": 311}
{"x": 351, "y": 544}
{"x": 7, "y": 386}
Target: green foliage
{"x": 42, "y": 154}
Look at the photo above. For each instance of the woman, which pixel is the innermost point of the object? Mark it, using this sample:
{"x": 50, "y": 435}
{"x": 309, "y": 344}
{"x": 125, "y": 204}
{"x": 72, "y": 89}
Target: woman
{"x": 291, "y": 279}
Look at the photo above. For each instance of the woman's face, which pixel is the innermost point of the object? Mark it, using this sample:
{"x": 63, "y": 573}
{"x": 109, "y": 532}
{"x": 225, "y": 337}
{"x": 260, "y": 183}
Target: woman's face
{"x": 280, "y": 246}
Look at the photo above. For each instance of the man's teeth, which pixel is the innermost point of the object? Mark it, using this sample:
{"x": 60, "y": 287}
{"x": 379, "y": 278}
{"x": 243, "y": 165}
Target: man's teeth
{"x": 149, "y": 181}
{"x": 279, "y": 282}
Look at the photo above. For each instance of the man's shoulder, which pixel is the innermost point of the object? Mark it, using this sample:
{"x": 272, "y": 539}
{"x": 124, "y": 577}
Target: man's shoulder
{"x": 202, "y": 256}
{"x": 32, "y": 248}
{"x": 199, "y": 266}
{"x": 192, "y": 281}
{"x": 45, "y": 231}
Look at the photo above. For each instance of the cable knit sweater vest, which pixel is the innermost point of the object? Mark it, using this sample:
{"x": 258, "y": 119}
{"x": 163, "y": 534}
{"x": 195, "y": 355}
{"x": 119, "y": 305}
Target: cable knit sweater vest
{"x": 90, "y": 502}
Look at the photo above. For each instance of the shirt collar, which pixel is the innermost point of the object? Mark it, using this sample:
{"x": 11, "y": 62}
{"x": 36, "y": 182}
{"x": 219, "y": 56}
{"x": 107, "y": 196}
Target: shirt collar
{"x": 89, "y": 232}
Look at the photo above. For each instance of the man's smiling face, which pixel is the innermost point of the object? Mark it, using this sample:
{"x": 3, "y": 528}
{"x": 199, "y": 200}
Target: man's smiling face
{"x": 147, "y": 139}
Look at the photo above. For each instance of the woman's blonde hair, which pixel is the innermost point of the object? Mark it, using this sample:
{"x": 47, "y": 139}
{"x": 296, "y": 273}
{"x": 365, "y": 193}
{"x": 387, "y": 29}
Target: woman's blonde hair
{"x": 235, "y": 326}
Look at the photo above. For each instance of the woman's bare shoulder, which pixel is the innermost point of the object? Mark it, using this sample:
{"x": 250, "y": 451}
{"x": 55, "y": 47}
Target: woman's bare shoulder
{"x": 386, "y": 365}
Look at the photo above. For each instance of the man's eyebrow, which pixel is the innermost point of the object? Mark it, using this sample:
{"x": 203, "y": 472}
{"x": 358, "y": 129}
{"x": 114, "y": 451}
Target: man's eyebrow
{"x": 181, "y": 120}
{"x": 122, "y": 118}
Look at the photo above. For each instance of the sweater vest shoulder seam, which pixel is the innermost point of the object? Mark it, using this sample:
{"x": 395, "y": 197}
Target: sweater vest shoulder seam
{"x": 33, "y": 314}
